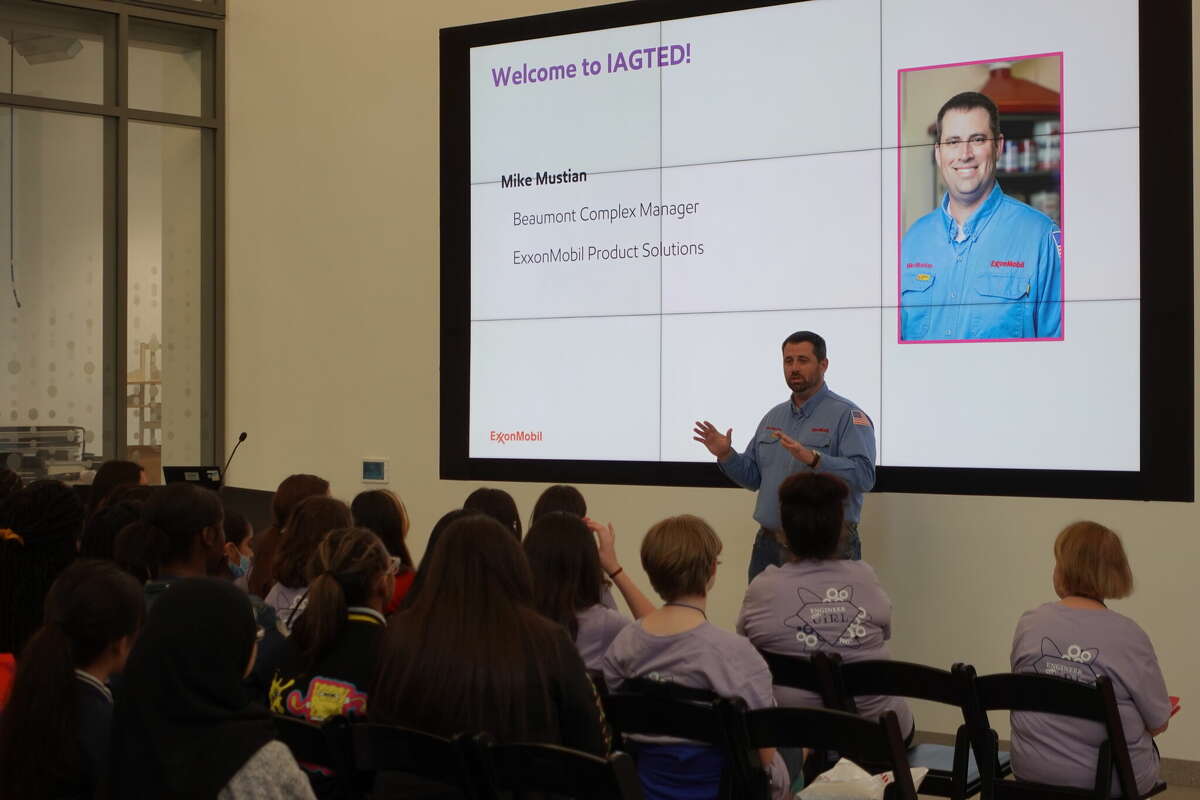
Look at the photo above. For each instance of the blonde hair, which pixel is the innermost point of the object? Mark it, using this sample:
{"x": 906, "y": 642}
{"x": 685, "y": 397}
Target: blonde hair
{"x": 679, "y": 555}
{"x": 1091, "y": 562}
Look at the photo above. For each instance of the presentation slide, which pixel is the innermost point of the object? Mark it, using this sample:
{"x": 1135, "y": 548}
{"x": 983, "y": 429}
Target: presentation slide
{"x": 654, "y": 208}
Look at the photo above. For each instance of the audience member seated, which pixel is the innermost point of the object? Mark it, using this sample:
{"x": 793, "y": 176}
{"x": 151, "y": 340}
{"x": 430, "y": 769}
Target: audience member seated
{"x": 183, "y": 523}
{"x": 239, "y": 553}
{"x": 677, "y": 644}
{"x": 101, "y": 529}
{"x": 382, "y": 513}
{"x": 54, "y": 734}
{"x": 558, "y": 498}
{"x": 9, "y": 482}
{"x": 497, "y": 504}
{"x": 291, "y": 491}
{"x": 309, "y": 523}
{"x": 40, "y": 527}
{"x": 423, "y": 568}
{"x": 139, "y": 550}
{"x": 111, "y": 475}
{"x": 1080, "y": 638}
{"x": 329, "y": 658}
{"x": 565, "y": 563}
{"x": 182, "y": 725}
{"x": 472, "y": 654}
{"x": 567, "y": 498}
{"x": 818, "y": 601}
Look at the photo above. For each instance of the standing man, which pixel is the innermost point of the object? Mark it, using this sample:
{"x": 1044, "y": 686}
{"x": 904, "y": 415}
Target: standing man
{"x": 814, "y": 430}
{"x": 982, "y": 265}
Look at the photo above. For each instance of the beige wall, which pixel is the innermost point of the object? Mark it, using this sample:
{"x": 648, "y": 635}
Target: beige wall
{"x": 333, "y": 348}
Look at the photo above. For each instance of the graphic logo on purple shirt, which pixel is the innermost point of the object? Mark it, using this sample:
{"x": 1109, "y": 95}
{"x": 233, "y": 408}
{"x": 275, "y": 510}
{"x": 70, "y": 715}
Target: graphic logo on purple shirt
{"x": 833, "y": 619}
{"x": 1075, "y": 664}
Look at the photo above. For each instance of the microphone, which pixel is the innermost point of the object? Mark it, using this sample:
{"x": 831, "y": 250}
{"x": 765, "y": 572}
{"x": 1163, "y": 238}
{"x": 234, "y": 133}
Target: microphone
{"x": 241, "y": 438}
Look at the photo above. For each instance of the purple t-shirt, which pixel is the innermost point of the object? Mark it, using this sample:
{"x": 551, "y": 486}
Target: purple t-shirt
{"x": 1081, "y": 644}
{"x": 833, "y": 606}
{"x": 598, "y": 626}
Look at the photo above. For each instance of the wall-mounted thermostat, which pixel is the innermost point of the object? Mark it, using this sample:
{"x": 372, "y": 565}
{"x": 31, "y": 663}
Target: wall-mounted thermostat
{"x": 375, "y": 470}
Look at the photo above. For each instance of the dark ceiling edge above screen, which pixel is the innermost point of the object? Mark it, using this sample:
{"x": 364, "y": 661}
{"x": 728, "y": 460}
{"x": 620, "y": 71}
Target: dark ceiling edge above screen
{"x": 1167, "y": 314}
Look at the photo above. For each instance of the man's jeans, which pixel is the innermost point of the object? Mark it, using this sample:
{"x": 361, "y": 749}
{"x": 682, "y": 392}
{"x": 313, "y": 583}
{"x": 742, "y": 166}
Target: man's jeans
{"x": 767, "y": 549}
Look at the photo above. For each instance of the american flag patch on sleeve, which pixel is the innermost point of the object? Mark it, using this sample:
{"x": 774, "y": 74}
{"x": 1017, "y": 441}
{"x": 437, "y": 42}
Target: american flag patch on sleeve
{"x": 859, "y": 418}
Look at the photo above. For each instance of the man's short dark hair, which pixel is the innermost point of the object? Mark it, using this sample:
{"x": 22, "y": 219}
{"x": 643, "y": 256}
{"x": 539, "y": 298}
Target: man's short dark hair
{"x": 814, "y": 339}
{"x": 966, "y": 101}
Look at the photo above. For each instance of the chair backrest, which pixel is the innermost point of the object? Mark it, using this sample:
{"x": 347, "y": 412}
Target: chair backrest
{"x": 1049, "y": 695}
{"x": 900, "y": 679}
{"x": 327, "y": 745}
{"x": 666, "y": 709}
{"x": 390, "y": 748}
{"x": 514, "y": 768}
{"x": 814, "y": 674}
{"x": 655, "y": 708}
{"x": 861, "y": 740}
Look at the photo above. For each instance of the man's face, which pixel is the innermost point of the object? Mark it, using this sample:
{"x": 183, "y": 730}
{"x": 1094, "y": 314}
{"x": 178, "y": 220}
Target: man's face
{"x": 969, "y": 169}
{"x": 801, "y": 369}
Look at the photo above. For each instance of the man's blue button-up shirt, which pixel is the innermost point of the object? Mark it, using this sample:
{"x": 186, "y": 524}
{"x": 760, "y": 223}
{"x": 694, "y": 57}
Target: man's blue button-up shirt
{"x": 827, "y": 423}
{"x": 1000, "y": 277}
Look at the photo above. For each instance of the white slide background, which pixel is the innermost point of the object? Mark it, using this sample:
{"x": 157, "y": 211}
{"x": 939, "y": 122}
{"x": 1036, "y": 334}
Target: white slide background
{"x": 783, "y": 130}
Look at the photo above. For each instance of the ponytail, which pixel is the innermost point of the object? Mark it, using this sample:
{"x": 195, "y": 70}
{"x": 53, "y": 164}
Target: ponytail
{"x": 91, "y": 606}
{"x": 341, "y": 573}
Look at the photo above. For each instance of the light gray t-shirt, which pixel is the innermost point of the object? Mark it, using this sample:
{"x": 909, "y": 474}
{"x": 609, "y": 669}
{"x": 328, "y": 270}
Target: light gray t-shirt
{"x": 270, "y": 774}
{"x": 598, "y": 626}
{"x": 833, "y": 606}
{"x": 1081, "y": 644}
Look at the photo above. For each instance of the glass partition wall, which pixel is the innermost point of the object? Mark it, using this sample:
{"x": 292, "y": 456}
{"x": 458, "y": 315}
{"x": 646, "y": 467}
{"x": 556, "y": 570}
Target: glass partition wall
{"x": 111, "y": 234}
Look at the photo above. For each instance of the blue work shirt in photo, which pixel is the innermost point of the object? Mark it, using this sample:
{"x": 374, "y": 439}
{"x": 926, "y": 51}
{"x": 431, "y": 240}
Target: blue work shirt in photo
{"x": 999, "y": 278}
{"x": 827, "y": 423}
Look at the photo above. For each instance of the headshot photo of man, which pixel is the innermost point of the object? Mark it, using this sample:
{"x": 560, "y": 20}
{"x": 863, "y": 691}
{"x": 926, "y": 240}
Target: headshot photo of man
{"x": 982, "y": 265}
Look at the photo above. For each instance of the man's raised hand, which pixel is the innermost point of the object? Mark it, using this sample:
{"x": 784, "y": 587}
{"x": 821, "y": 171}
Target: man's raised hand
{"x": 719, "y": 445}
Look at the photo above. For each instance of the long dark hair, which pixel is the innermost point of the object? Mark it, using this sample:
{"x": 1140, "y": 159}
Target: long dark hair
{"x": 10, "y": 482}
{"x": 559, "y": 497}
{"x": 566, "y": 567}
{"x": 482, "y": 647}
{"x": 92, "y": 605}
{"x": 423, "y": 569}
{"x": 497, "y": 504}
{"x": 811, "y": 511}
{"x": 306, "y": 527}
{"x": 111, "y": 475}
{"x": 342, "y": 572}
{"x": 383, "y": 513}
{"x": 289, "y": 494}
{"x": 41, "y": 525}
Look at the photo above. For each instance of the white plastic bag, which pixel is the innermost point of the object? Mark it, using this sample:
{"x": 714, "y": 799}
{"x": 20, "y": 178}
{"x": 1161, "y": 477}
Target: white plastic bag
{"x": 848, "y": 781}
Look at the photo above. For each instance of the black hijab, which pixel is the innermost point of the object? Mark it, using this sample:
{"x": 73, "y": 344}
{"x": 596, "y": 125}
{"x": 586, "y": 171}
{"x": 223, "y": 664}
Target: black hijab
{"x": 182, "y": 725}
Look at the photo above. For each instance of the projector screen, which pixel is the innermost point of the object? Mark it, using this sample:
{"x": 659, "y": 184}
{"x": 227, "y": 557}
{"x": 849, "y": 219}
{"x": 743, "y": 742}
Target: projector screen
{"x": 639, "y": 205}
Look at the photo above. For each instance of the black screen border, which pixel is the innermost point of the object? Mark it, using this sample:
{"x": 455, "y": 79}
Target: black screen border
{"x": 1167, "y": 313}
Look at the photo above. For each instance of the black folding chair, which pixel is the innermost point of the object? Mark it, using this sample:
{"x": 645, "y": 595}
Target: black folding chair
{"x": 811, "y": 674}
{"x": 654, "y": 708}
{"x": 1044, "y": 694}
{"x": 512, "y": 769}
{"x": 383, "y": 749}
{"x": 862, "y": 741}
{"x": 953, "y": 771}
{"x": 322, "y": 747}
